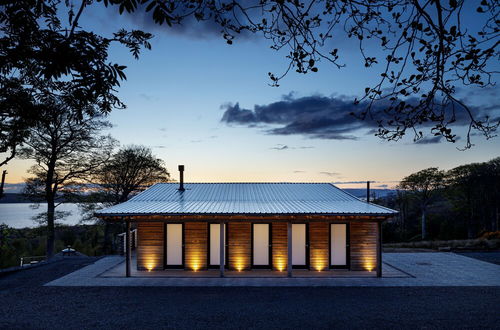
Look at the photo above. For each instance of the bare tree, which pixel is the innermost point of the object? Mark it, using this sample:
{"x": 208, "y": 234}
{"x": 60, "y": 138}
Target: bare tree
{"x": 67, "y": 146}
{"x": 130, "y": 170}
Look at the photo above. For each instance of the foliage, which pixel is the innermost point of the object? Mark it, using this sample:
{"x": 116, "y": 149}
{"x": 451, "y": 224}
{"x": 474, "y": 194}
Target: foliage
{"x": 464, "y": 205}
{"x": 67, "y": 146}
{"x": 129, "y": 171}
{"x": 17, "y": 243}
{"x": 44, "y": 53}
{"x": 424, "y": 185}
{"x": 429, "y": 50}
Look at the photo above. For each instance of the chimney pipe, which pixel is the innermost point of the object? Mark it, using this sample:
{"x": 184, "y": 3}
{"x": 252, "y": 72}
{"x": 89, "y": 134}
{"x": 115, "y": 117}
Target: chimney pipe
{"x": 368, "y": 191}
{"x": 181, "y": 178}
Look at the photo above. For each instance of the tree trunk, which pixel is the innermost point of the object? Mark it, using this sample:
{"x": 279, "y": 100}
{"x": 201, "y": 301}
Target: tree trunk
{"x": 51, "y": 237}
{"x": 424, "y": 235}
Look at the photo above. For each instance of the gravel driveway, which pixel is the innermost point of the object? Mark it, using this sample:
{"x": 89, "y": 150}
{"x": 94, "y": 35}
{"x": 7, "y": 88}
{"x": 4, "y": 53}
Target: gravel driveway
{"x": 26, "y": 303}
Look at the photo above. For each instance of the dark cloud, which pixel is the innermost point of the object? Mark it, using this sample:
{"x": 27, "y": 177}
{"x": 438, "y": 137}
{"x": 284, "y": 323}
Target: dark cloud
{"x": 329, "y": 173}
{"x": 321, "y": 117}
{"x": 433, "y": 140}
{"x": 315, "y": 116}
{"x": 299, "y": 171}
{"x": 189, "y": 27}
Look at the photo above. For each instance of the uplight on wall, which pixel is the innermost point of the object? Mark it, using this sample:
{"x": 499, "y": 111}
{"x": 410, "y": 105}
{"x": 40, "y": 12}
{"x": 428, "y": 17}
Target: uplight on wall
{"x": 368, "y": 265}
{"x": 280, "y": 264}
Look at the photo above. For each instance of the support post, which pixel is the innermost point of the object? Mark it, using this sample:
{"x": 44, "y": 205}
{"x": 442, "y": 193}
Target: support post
{"x": 379, "y": 249}
{"x": 289, "y": 250}
{"x": 222, "y": 248}
{"x": 127, "y": 249}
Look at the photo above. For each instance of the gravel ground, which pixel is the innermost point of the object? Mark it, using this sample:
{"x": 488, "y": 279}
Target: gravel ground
{"x": 488, "y": 256}
{"x": 25, "y": 303}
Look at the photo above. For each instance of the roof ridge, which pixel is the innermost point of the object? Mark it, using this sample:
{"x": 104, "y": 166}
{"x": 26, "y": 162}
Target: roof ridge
{"x": 246, "y": 182}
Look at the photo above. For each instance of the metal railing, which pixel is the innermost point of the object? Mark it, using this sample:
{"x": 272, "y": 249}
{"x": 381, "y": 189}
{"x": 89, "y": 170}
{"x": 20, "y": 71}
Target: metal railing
{"x": 32, "y": 260}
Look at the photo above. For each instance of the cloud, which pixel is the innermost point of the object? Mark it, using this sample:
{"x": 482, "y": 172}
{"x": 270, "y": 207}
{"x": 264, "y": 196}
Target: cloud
{"x": 329, "y": 173}
{"x": 433, "y": 140}
{"x": 189, "y": 27}
{"x": 298, "y": 171}
{"x": 323, "y": 117}
{"x": 314, "y": 116}
{"x": 285, "y": 147}
{"x": 280, "y": 147}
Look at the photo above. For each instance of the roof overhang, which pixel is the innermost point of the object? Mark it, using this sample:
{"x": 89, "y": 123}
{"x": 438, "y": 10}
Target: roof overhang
{"x": 243, "y": 217}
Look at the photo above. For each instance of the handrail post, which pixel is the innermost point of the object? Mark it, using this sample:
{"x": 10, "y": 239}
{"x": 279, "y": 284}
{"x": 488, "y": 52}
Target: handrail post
{"x": 127, "y": 249}
{"x": 222, "y": 242}
{"x": 289, "y": 251}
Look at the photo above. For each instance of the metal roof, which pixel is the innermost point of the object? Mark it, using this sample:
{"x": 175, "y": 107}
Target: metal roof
{"x": 245, "y": 198}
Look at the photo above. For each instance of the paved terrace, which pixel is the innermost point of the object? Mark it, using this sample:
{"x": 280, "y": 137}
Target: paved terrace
{"x": 399, "y": 270}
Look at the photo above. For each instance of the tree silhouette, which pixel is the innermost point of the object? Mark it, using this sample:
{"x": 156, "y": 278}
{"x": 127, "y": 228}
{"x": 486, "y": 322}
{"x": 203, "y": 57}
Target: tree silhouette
{"x": 44, "y": 53}
{"x": 67, "y": 147}
{"x": 130, "y": 170}
{"x": 424, "y": 184}
{"x": 430, "y": 50}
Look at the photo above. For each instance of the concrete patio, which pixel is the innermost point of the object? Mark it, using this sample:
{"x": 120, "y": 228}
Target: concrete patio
{"x": 399, "y": 269}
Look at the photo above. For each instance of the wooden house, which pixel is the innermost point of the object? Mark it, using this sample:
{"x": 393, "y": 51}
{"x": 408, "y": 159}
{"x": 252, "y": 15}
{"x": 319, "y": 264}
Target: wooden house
{"x": 276, "y": 226}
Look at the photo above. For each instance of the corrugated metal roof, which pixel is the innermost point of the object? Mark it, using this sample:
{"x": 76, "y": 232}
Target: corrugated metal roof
{"x": 245, "y": 198}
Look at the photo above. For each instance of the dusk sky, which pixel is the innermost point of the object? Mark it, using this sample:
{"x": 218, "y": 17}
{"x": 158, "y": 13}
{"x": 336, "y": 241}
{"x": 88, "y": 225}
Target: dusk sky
{"x": 181, "y": 101}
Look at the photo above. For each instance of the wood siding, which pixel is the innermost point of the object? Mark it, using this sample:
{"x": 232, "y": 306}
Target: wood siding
{"x": 319, "y": 246}
{"x": 150, "y": 246}
{"x": 239, "y": 241}
{"x": 195, "y": 245}
{"x": 363, "y": 245}
{"x": 279, "y": 246}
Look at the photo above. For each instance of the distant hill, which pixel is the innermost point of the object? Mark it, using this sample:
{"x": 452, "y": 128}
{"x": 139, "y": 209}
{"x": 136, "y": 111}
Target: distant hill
{"x": 13, "y": 198}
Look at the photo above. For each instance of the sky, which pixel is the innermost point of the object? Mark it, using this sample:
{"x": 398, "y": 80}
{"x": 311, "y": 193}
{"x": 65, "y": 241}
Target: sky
{"x": 198, "y": 101}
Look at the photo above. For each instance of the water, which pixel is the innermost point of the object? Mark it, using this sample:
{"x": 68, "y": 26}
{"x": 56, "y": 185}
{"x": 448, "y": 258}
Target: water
{"x": 18, "y": 215}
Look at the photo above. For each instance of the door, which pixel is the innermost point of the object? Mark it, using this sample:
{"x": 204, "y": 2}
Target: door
{"x": 261, "y": 245}
{"x": 338, "y": 245}
{"x": 174, "y": 245}
{"x": 214, "y": 258}
{"x": 299, "y": 245}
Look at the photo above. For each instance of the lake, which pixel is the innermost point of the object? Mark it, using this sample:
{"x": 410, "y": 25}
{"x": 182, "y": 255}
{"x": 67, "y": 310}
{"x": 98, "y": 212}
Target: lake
{"x": 18, "y": 215}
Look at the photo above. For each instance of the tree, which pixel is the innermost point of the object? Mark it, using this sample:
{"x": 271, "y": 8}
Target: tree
{"x": 474, "y": 190}
{"x": 424, "y": 184}
{"x": 130, "y": 170}
{"x": 45, "y": 53}
{"x": 67, "y": 145}
{"x": 430, "y": 51}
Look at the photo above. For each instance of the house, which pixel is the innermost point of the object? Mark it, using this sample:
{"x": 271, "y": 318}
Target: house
{"x": 316, "y": 226}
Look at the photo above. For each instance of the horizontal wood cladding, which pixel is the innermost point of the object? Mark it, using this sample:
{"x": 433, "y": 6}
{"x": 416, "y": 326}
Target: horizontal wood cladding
{"x": 239, "y": 241}
{"x": 279, "y": 246}
{"x": 150, "y": 246}
{"x": 318, "y": 246}
{"x": 196, "y": 245}
{"x": 363, "y": 245}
